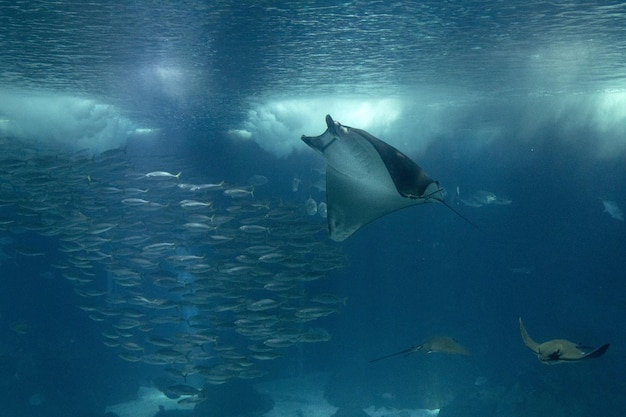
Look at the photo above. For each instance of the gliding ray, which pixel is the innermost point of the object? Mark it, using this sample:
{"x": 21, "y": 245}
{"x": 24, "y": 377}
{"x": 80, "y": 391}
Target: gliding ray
{"x": 434, "y": 344}
{"x": 559, "y": 350}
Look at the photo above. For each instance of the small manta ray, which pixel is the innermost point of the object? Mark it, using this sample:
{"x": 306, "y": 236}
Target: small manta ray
{"x": 367, "y": 178}
{"x": 559, "y": 350}
{"x": 439, "y": 344}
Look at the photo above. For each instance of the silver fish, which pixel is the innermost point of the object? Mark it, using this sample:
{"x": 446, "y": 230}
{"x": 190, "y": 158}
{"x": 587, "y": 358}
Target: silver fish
{"x": 162, "y": 175}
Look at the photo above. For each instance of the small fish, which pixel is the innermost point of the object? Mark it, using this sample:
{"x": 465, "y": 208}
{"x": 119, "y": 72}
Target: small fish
{"x": 264, "y": 304}
{"x": 260, "y": 249}
{"x": 253, "y": 228}
{"x": 613, "y": 210}
{"x": 221, "y": 238}
{"x": 192, "y": 204}
{"x": 218, "y": 220}
{"x": 184, "y": 258}
{"x": 101, "y": 228}
{"x": 279, "y": 342}
{"x": 312, "y": 313}
{"x": 239, "y": 193}
{"x": 266, "y": 356}
{"x": 236, "y": 270}
{"x": 257, "y": 180}
{"x": 329, "y": 299}
{"x": 162, "y": 175}
{"x": 278, "y": 286}
{"x": 158, "y": 247}
{"x": 322, "y": 210}
{"x": 132, "y": 346}
{"x": 272, "y": 258}
{"x": 198, "y": 227}
{"x": 295, "y": 184}
{"x": 210, "y": 187}
{"x": 314, "y": 336}
{"x": 131, "y": 190}
{"x": 129, "y": 357}
{"x": 127, "y": 323}
{"x": 190, "y": 187}
{"x": 311, "y": 207}
{"x": 135, "y": 202}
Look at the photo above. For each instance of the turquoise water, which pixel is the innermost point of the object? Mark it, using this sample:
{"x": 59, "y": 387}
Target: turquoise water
{"x": 112, "y": 278}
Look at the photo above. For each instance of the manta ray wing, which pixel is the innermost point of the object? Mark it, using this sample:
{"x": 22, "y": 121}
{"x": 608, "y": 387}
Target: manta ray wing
{"x": 367, "y": 178}
{"x": 577, "y": 355}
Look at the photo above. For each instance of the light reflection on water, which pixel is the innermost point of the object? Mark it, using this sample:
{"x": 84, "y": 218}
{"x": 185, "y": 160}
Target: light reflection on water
{"x": 194, "y": 56}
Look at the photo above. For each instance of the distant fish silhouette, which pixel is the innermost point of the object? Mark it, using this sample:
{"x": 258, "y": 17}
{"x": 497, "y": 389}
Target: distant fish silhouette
{"x": 525, "y": 270}
{"x": 434, "y": 344}
{"x": 559, "y": 350}
{"x": 367, "y": 178}
{"x": 614, "y": 211}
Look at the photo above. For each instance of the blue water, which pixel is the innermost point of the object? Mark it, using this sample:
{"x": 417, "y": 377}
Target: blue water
{"x": 526, "y": 100}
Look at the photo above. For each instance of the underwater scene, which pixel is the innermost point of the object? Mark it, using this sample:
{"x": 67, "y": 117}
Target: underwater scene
{"x": 312, "y": 208}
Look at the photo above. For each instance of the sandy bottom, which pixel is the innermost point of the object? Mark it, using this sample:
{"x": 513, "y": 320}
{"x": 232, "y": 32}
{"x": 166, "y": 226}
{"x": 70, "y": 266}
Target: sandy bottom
{"x": 297, "y": 397}
{"x": 147, "y": 404}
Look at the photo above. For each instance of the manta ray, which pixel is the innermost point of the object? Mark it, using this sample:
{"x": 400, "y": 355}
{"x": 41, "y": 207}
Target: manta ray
{"x": 434, "y": 344}
{"x": 560, "y": 350}
{"x": 367, "y": 178}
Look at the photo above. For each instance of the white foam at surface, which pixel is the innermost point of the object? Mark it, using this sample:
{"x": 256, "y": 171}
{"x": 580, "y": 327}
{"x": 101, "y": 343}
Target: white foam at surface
{"x": 413, "y": 121}
{"x": 278, "y": 123}
{"x": 56, "y": 120}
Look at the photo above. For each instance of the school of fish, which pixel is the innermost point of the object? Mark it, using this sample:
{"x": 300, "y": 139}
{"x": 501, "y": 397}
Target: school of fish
{"x": 198, "y": 278}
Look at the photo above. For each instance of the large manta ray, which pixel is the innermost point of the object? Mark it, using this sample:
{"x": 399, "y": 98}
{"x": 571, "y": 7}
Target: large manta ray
{"x": 559, "y": 350}
{"x": 367, "y": 178}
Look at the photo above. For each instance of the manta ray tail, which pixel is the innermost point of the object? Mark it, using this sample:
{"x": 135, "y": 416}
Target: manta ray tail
{"x": 528, "y": 341}
{"x": 460, "y": 215}
{"x": 405, "y": 351}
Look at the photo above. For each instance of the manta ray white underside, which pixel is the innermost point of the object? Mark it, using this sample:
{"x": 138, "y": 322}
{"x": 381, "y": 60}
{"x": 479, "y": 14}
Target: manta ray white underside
{"x": 367, "y": 178}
